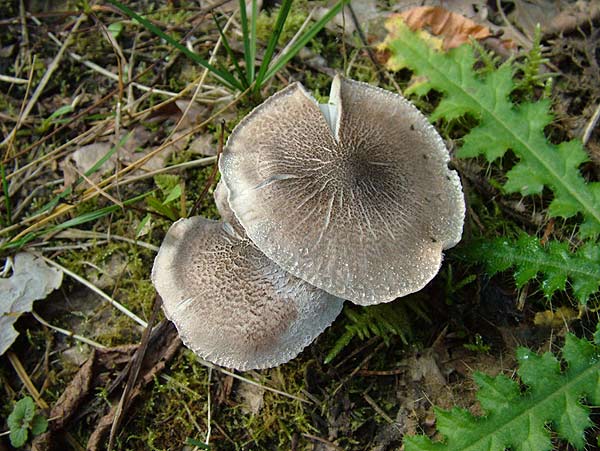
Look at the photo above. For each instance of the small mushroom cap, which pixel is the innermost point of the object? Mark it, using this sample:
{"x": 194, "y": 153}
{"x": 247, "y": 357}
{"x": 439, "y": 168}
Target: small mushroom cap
{"x": 355, "y": 197}
{"x": 231, "y": 304}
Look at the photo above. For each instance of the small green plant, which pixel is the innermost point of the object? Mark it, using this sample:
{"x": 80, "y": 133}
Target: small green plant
{"x": 554, "y": 262}
{"x": 518, "y": 415}
{"x": 247, "y": 76}
{"x": 24, "y": 420}
{"x": 478, "y": 346}
{"x": 382, "y": 320}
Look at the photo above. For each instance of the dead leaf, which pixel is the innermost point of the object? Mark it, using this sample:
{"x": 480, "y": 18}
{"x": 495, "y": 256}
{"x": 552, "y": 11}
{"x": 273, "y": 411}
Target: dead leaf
{"x": 73, "y": 396}
{"x": 32, "y": 279}
{"x": 455, "y": 29}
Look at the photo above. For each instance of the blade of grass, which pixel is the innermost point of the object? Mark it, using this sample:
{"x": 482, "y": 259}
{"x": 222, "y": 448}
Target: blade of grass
{"x": 6, "y": 195}
{"x": 284, "y": 11}
{"x": 252, "y": 58}
{"x": 246, "y": 39}
{"x": 238, "y": 69}
{"x": 303, "y": 40}
{"x": 225, "y": 77}
{"x": 74, "y": 222}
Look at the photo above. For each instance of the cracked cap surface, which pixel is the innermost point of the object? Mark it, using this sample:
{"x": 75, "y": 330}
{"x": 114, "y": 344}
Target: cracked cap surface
{"x": 231, "y": 304}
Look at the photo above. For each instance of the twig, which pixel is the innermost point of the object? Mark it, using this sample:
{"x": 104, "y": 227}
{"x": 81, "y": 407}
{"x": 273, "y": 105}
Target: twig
{"x": 15, "y": 80}
{"x": 523, "y": 40}
{"x": 252, "y": 382}
{"x": 181, "y": 166}
{"x": 68, "y": 333}
{"x": 208, "y": 408}
{"x": 380, "y": 411}
{"x": 97, "y": 290}
{"x": 18, "y": 366}
{"x": 380, "y": 70}
{"x": 74, "y": 234}
{"x": 322, "y": 440}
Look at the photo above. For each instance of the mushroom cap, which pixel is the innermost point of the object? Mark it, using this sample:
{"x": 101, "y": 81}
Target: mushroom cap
{"x": 355, "y": 197}
{"x": 231, "y": 304}
{"x": 220, "y": 195}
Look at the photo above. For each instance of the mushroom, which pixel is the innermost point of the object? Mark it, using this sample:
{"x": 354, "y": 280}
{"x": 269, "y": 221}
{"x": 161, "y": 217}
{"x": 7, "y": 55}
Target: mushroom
{"x": 354, "y": 197}
{"x": 231, "y": 304}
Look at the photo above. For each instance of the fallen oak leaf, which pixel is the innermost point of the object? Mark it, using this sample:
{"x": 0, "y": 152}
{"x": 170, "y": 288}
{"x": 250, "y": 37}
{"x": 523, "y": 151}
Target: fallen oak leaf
{"x": 455, "y": 28}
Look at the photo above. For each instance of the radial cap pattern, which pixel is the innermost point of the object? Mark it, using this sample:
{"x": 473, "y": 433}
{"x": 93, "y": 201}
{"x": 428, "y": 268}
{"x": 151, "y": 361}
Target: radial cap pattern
{"x": 355, "y": 197}
{"x": 231, "y": 304}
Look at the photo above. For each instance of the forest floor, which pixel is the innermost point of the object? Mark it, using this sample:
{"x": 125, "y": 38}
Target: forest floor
{"x": 66, "y": 100}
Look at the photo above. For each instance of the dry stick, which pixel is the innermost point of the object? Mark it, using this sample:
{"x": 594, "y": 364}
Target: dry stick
{"x": 525, "y": 41}
{"x": 134, "y": 371}
{"x": 20, "y": 118}
{"x": 68, "y": 333}
{"x": 357, "y": 369}
{"x": 213, "y": 173}
{"x": 14, "y": 80}
{"x": 96, "y": 290}
{"x": 207, "y": 364}
{"x": 18, "y": 366}
{"x": 44, "y": 81}
{"x": 380, "y": 411}
{"x": 322, "y": 440}
{"x": 208, "y": 409}
{"x": 76, "y": 234}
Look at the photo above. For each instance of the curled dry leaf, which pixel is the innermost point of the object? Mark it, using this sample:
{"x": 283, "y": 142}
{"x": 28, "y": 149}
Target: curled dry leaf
{"x": 32, "y": 279}
{"x": 454, "y": 28}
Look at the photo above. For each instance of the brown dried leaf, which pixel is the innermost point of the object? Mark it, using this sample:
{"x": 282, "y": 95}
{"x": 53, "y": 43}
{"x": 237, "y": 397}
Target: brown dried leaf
{"x": 74, "y": 394}
{"x": 455, "y": 29}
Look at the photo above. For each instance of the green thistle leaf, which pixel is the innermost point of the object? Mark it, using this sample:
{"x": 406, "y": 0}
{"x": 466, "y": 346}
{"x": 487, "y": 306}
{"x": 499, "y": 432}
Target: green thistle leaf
{"x": 502, "y": 124}
{"x": 518, "y": 420}
{"x": 554, "y": 262}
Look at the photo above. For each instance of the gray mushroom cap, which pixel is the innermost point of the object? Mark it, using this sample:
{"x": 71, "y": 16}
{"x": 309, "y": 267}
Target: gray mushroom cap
{"x": 355, "y": 197}
{"x": 231, "y": 304}
{"x": 220, "y": 195}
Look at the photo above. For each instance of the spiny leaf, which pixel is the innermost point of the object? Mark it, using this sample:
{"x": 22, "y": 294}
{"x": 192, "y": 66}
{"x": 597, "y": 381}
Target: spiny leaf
{"x": 518, "y": 420}
{"x": 554, "y": 262}
{"x": 502, "y": 125}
